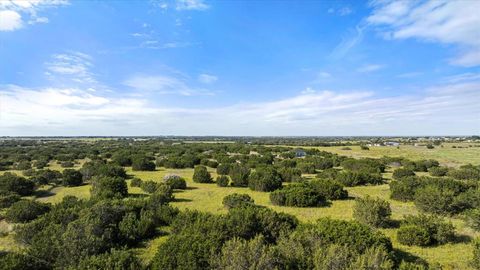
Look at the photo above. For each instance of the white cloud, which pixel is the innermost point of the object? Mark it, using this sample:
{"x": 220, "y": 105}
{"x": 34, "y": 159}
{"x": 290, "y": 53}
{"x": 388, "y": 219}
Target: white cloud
{"x": 163, "y": 84}
{"x": 11, "y": 12}
{"x": 409, "y": 75}
{"x": 207, "y": 78}
{"x": 324, "y": 75}
{"x": 345, "y": 11}
{"x": 348, "y": 42}
{"x": 74, "y": 66}
{"x": 10, "y": 20}
{"x": 191, "y": 5}
{"x": 440, "y": 110}
{"x": 369, "y": 68}
{"x": 442, "y": 21}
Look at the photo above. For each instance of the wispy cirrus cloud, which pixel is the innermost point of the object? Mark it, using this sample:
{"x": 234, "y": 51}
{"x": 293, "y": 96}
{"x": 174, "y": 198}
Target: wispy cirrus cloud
{"x": 369, "y": 68}
{"x": 207, "y": 78}
{"x": 441, "y": 21}
{"x": 164, "y": 84}
{"x": 73, "y": 66}
{"x": 191, "y": 5}
{"x": 15, "y": 15}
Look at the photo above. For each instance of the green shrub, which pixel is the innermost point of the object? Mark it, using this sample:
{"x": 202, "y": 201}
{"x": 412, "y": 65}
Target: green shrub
{"x": 412, "y": 235}
{"x": 355, "y": 178}
{"x": 223, "y": 181}
{"x": 7, "y": 198}
{"x": 330, "y": 189}
{"x": 432, "y": 199}
{"x": 374, "y": 258}
{"x": 136, "y": 182}
{"x": 476, "y": 253}
{"x": 142, "y": 163}
{"x": 237, "y": 200}
{"x": 425, "y": 230}
{"x": 289, "y": 174}
{"x": 243, "y": 254}
{"x": 108, "y": 187}
{"x": 72, "y": 177}
{"x": 25, "y": 211}
{"x": 472, "y": 217}
{"x": 239, "y": 175}
{"x": 438, "y": 171}
{"x": 404, "y": 189}
{"x": 223, "y": 169}
{"x": 13, "y": 183}
{"x": 334, "y": 257}
{"x": 149, "y": 186}
{"x": 175, "y": 181}
{"x": 201, "y": 175}
{"x": 371, "y": 211}
{"x": 162, "y": 194}
{"x": 114, "y": 260}
{"x": 401, "y": 173}
{"x": 18, "y": 261}
{"x": 265, "y": 179}
{"x": 299, "y": 195}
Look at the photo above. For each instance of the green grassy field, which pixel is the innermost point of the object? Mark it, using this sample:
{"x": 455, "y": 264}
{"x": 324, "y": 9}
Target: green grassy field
{"x": 208, "y": 197}
{"x": 446, "y": 155}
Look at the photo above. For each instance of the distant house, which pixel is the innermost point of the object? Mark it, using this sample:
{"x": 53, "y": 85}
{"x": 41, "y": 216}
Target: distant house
{"x": 392, "y": 143}
{"x": 300, "y": 153}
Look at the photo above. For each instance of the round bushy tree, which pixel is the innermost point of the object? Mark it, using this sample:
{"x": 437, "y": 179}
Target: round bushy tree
{"x": 136, "y": 182}
{"x": 142, "y": 163}
{"x": 412, "y": 235}
{"x": 222, "y": 181}
{"x": 72, "y": 177}
{"x": 438, "y": 171}
{"x": 402, "y": 172}
{"x": 109, "y": 187}
{"x": 239, "y": 175}
{"x": 149, "y": 186}
{"x": 14, "y": 183}
{"x": 26, "y": 210}
{"x": 373, "y": 212}
{"x": 201, "y": 175}
{"x": 175, "y": 181}
{"x": 265, "y": 179}
{"x": 237, "y": 200}
{"x": 299, "y": 195}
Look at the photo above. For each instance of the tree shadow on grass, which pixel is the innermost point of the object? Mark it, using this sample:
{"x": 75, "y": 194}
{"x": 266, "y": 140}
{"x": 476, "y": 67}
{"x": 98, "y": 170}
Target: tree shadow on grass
{"x": 393, "y": 223}
{"x": 43, "y": 193}
{"x": 408, "y": 257}
{"x": 181, "y": 200}
{"x": 462, "y": 238}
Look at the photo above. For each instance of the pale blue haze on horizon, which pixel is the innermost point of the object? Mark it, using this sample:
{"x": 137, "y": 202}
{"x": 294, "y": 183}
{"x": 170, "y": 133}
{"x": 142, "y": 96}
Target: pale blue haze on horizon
{"x": 193, "y": 67}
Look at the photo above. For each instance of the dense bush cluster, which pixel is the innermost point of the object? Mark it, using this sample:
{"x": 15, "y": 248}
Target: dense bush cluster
{"x": 237, "y": 200}
{"x": 425, "y": 230}
{"x": 444, "y": 196}
{"x": 175, "y": 181}
{"x": 265, "y": 179}
{"x": 372, "y": 211}
{"x": 298, "y": 194}
{"x": 201, "y": 175}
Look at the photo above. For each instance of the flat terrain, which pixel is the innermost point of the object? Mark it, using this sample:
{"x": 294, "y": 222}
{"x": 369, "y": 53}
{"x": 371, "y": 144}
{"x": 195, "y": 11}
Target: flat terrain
{"x": 446, "y": 155}
{"x": 208, "y": 197}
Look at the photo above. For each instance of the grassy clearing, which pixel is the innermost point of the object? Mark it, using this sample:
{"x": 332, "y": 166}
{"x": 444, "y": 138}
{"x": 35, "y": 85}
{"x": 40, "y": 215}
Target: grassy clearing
{"x": 446, "y": 155}
{"x": 208, "y": 197}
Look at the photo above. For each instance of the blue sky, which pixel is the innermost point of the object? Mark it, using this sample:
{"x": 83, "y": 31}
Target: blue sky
{"x": 192, "y": 67}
